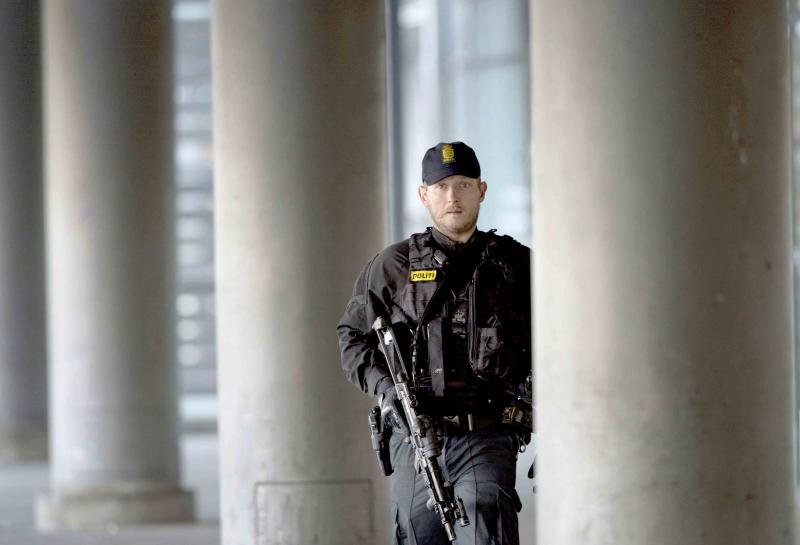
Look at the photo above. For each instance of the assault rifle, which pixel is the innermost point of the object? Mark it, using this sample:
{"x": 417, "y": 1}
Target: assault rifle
{"x": 427, "y": 445}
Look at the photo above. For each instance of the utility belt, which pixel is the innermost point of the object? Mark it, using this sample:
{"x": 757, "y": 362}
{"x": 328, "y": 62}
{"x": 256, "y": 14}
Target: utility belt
{"x": 518, "y": 416}
{"x": 512, "y": 420}
{"x": 460, "y": 424}
{"x": 473, "y": 410}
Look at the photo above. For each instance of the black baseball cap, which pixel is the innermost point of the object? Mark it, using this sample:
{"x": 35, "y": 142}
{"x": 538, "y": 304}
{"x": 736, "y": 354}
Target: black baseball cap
{"x": 449, "y": 159}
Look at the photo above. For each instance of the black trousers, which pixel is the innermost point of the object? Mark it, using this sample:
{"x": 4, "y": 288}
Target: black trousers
{"x": 481, "y": 465}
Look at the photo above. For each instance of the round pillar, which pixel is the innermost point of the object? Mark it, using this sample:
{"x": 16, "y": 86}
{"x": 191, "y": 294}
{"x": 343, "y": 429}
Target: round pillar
{"x": 23, "y": 342}
{"x": 113, "y": 396}
{"x": 663, "y": 309}
{"x": 300, "y": 206}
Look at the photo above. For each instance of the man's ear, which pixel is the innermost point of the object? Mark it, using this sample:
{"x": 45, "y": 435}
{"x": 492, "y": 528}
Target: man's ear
{"x": 422, "y": 191}
{"x": 483, "y": 187}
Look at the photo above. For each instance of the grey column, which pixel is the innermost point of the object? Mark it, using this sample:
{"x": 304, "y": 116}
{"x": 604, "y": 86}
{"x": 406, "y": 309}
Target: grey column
{"x": 663, "y": 272}
{"x": 299, "y": 169}
{"x": 113, "y": 405}
{"x": 23, "y": 346}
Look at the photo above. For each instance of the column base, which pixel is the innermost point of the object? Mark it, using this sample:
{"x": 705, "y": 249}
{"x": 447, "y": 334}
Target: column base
{"x": 98, "y": 508}
{"x": 27, "y": 444}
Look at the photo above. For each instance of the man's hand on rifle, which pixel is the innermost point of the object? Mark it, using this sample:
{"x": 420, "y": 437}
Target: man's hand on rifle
{"x": 391, "y": 409}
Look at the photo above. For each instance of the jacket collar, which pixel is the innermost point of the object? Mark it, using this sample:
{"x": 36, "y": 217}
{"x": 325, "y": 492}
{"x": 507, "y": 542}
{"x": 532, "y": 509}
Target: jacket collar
{"x": 452, "y": 247}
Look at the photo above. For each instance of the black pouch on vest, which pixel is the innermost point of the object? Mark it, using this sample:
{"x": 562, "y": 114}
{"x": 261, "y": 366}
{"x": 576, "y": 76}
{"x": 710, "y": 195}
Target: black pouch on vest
{"x": 489, "y": 344}
{"x": 488, "y": 352}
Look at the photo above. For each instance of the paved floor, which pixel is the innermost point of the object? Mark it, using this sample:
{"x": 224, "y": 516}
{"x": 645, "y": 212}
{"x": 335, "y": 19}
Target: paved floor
{"x": 20, "y": 483}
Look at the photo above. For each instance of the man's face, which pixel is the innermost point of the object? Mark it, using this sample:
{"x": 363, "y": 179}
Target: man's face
{"x": 453, "y": 204}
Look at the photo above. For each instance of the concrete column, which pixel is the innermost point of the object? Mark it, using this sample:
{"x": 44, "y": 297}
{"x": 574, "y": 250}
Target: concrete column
{"x": 23, "y": 348}
{"x": 663, "y": 272}
{"x": 113, "y": 397}
{"x": 299, "y": 158}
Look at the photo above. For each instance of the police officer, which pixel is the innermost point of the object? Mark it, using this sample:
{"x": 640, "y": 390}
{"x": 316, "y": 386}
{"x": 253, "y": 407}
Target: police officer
{"x": 459, "y": 302}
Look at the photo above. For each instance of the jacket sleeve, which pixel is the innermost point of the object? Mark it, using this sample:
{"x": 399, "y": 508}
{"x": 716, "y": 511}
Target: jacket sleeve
{"x": 523, "y": 298}
{"x": 362, "y": 362}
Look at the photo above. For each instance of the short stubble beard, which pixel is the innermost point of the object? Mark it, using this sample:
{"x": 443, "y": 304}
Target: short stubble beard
{"x": 454, "y": 234}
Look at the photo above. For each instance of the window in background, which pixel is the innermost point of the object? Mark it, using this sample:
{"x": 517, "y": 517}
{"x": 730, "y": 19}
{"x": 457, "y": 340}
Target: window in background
{"x": 194, "y": 197}
{"x": 459, "y": 70}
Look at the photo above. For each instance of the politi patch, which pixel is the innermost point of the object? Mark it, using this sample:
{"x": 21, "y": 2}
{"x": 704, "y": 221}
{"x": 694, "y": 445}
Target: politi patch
{"x": 423, "y": 276}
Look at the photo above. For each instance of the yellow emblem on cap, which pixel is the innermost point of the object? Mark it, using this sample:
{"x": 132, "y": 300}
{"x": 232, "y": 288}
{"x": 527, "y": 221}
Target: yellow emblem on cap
{"x": 448, "y": 154}
{"x": 423, "y": 276}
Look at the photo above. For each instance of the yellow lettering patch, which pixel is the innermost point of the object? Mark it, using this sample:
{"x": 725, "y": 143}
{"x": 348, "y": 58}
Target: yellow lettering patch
{"x": 423, "y": 276}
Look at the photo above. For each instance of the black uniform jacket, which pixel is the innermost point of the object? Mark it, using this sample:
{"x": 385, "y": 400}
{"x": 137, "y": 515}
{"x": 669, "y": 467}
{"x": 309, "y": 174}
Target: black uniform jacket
{"x": 377, "y": 291}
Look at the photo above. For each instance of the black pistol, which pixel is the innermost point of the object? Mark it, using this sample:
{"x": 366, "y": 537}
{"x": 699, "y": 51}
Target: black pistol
{"x": 380, "y": 440}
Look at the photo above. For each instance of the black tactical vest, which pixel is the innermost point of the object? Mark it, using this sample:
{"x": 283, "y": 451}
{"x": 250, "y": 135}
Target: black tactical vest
{"x": 497, "y": 340}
